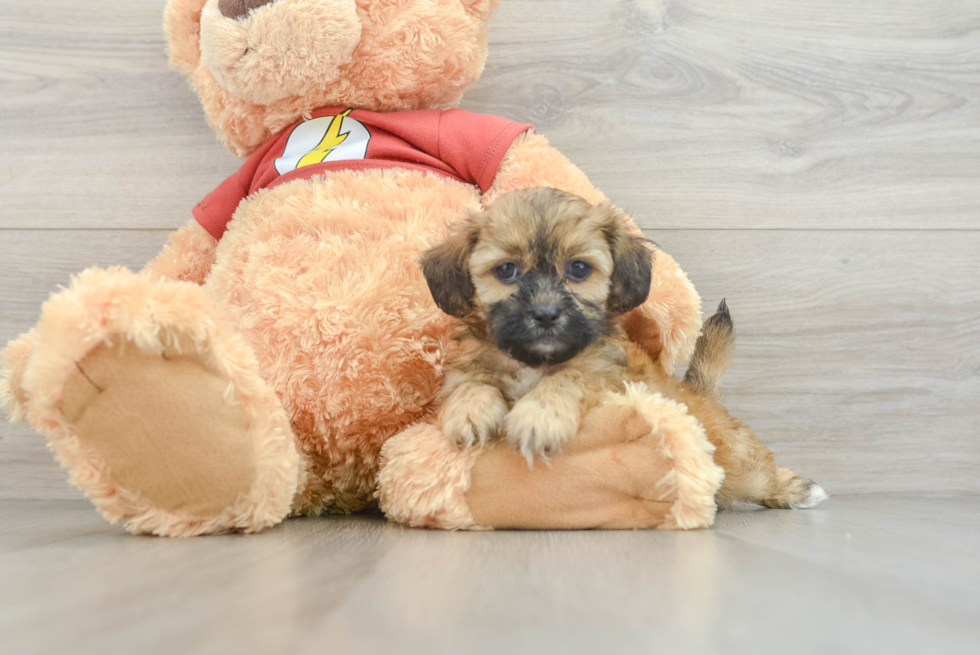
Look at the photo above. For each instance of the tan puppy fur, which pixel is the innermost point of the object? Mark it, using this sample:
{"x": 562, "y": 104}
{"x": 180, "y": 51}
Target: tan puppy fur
{"x": 540, "y": 281}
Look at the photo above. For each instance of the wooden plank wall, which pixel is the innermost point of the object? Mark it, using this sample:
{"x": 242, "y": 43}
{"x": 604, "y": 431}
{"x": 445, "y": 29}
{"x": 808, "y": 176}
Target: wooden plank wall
{"x": 817, "y": 164}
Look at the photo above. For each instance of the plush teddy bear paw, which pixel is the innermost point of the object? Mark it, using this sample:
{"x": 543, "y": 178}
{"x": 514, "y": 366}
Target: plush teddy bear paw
{"x": 538, "y": 429}
{"x": 156, "y": 405}
{"x": 473, "y": 417}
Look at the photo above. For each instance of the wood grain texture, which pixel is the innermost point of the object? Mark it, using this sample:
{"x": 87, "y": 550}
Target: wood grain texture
{"x": 36, "y": 263}
{"x": 754, "y": 114}
{"x": 819, "y": 115}
{"x": 870, "y": 574}
{"x": 97, "y": 131}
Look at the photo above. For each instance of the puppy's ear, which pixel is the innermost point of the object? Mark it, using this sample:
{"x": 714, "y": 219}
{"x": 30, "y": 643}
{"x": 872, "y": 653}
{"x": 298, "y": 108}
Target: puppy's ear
{"x": 446, "y": 268}
{"x": 632, "y": 262}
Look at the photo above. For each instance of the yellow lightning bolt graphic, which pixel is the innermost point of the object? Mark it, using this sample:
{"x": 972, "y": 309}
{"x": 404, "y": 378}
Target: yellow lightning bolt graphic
{"x": 330, "y": 140}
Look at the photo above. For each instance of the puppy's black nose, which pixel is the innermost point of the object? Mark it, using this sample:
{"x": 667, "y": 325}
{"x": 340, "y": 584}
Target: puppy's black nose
{"x": 546, "y": 315}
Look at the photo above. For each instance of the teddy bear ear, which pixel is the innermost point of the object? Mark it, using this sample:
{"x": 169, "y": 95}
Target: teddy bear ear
{"x": 482, "y": 9}
{"x": 182, "y": 25}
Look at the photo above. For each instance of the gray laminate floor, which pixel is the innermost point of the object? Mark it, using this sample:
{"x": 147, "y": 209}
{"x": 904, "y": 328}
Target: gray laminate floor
{"x": 862, "y": 574}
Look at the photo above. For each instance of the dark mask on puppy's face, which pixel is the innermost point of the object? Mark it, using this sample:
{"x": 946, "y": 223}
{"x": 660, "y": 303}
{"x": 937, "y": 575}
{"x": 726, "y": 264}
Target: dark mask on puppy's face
{"x": 544, "y": 322}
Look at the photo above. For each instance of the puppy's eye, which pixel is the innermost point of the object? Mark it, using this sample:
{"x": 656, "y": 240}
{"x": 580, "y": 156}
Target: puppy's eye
{"x": 578, "y": 271}
{"x": 507, "y": 272}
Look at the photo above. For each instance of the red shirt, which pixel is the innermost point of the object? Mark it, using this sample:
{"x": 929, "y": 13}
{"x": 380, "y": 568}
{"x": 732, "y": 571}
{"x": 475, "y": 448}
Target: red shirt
{"x": 458, "y": 144}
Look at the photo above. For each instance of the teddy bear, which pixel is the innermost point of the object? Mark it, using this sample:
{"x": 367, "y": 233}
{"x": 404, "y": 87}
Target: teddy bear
{"x": 281, "y": 354}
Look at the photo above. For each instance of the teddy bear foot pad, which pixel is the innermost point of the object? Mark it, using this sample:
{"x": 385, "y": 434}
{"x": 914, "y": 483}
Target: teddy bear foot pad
{"x": 162, "y": 426}
{"x": 155, "y": 404}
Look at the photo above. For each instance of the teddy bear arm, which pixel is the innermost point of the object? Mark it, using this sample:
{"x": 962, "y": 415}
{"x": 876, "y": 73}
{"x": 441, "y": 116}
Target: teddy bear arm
{"x": 188, "y": 255}
{"x": 639, "y": 461}
{"x": 667, "y": 325}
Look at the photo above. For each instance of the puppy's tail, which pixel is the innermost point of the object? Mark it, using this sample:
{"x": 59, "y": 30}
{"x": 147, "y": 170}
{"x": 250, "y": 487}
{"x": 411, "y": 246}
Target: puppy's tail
{"x": 712, "y": 353}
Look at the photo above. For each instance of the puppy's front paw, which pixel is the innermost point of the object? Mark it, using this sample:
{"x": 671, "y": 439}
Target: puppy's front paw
{"x": 536, "y": 428}
{"x": 473, "y": 418}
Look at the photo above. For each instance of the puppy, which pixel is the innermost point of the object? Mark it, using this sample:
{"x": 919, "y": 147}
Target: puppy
{"x": 540, "y": 281}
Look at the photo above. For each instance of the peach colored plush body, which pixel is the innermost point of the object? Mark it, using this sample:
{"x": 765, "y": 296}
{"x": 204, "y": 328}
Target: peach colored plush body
{"x": 308, "y": 330}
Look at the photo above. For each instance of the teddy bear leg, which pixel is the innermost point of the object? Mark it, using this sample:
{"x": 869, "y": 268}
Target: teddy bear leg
{"x": 667, "y": 325}
{"x": 638, "y": 461}
{"x": 155, "y": 404}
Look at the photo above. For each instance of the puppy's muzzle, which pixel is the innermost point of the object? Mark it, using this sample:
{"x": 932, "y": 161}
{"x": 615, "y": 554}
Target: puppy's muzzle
{"x": 545, "y": 315}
